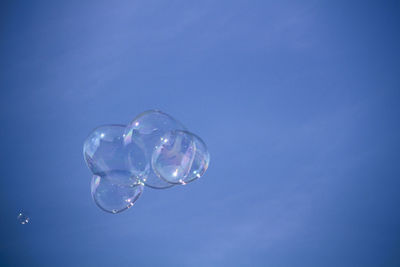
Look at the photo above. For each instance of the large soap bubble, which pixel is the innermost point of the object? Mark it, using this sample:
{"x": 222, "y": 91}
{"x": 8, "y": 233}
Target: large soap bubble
{"x": 115, "y": 191}
{"x": 104, "y": 150}
{"x": 180, "y": 157}
{"x": 148, "y": 128}
{"x": 153, "y": 150}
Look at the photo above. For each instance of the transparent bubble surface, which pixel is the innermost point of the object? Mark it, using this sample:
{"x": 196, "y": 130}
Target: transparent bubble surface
{"x": 22, "y": 218}
{"x": 104, "y": 150}
{"x": 115, "y": 191}
{"x": 180, "y": 157}
{"x": 147, "y": 129}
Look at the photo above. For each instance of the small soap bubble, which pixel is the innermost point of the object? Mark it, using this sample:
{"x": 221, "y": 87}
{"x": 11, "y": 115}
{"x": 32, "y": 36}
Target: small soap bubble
{"x": 114, "y": 191}
{"x": 180, "y": 157}
{"x": 104, "y": 150}
{"x": 22, "y": 218}
{"x": 147, "y": 128}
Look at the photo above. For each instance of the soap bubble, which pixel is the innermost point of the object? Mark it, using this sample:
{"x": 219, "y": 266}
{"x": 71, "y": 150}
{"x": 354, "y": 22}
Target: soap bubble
{"x": 173, "y": 156}
{"x": 153, "y": 150}
{"x": 115, "y": 191}
{"x": 148, "y": 128}
{"x": 22, "y": 218}
{"x": 104, "y": 150}
{"x": 180, "y": 157}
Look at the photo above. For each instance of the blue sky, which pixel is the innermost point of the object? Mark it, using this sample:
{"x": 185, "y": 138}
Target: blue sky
{"x": 297, "y": 102}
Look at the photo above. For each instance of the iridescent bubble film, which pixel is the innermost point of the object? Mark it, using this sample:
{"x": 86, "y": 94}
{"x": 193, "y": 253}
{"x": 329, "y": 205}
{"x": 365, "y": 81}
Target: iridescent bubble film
{"x": 154, "y": 150}
{"x": 180, "y": 157}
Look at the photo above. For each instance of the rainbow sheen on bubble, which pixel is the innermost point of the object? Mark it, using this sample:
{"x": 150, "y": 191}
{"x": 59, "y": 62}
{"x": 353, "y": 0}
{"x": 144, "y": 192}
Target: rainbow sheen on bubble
{"x": 154, "y": 150}
{"x": 180, "y": 157}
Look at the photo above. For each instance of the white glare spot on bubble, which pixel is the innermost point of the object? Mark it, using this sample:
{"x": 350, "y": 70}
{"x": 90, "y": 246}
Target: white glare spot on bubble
{"x": 22, "y": 218}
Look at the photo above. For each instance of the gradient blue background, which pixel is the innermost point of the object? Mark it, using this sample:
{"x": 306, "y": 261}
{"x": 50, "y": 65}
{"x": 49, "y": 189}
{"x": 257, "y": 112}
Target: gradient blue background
{"x": 298, "y": 102}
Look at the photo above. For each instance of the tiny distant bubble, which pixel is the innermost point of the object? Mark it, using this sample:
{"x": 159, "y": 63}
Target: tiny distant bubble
{"x": 22, "y": 218}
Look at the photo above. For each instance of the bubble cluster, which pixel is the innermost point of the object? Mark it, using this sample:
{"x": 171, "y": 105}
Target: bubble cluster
{"x": 154, "y": 150}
